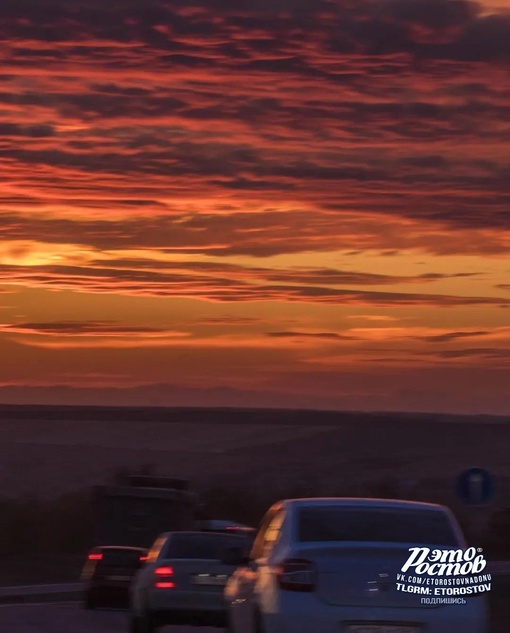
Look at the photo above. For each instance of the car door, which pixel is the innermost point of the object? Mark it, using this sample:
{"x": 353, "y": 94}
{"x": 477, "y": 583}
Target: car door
{"x": 254, "y": 580}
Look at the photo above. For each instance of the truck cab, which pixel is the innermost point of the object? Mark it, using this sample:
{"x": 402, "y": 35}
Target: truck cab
{"x": 142, "y": 507}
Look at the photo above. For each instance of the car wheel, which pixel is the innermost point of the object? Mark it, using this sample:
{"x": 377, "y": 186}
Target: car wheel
{"x": 258, "y": 624}
{"x": 142, "y": 624}
{"x": 133, "y": 624}
{"x": 89, "y": 602}
{"x": 229, "y": 627}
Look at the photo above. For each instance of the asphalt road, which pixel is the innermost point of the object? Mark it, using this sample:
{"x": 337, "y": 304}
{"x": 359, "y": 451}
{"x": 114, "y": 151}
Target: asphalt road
{"x": 72, "y": 618}
{"x": 68, "y": 617}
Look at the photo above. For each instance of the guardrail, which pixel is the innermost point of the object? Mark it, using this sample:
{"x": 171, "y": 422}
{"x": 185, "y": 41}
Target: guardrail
{"x": 74, "y": 591}
{"x": 41, "y": 593}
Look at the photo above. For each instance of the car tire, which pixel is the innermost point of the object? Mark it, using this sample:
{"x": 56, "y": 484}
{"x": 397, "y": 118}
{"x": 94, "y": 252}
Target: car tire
{"x": 229, "y": 627}
{"x": 258, "y": 623}
{"x": 133, "y": 624}
{"x": 88, "y": 601}
{"x": 142, "y": 624}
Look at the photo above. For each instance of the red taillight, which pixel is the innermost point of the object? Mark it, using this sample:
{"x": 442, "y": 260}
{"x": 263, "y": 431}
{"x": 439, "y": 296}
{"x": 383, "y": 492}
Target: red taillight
{"x": 164, "y": 574}
{"x": 95, "y": 557}
{"x": 143, "y": 559}
{"x": 296, "y": 574}
{"x": 164, "y": 571}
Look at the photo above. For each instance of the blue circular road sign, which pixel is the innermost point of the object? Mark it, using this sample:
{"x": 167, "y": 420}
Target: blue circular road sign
{"x": 476, "y": 486}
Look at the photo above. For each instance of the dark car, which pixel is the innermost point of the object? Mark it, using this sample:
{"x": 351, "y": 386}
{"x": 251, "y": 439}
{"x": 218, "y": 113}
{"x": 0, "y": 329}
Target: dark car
{"x": 184, "y": 579}
{"x": 107, "y": 574}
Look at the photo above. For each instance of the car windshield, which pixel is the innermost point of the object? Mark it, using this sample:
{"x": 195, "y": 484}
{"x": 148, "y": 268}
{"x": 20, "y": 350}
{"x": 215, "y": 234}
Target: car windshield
{"x": 201, "y": 546}
{"x": 120, "y": 556}
{"x": 392, "y": 525}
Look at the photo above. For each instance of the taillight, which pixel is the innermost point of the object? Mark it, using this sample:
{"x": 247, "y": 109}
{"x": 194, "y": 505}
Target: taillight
{"x": 95, "y": 557}
{"x": 143, "y": 559}
{"x": 164, "y": 577}
{"x": 296, "y": 574}
{"x": 164, "y": 571}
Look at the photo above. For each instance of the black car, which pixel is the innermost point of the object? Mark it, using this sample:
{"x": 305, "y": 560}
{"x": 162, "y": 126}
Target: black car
{"x": 107, "y": 574}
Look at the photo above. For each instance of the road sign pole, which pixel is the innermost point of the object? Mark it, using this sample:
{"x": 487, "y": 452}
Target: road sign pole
{"x": 475, "y": 487}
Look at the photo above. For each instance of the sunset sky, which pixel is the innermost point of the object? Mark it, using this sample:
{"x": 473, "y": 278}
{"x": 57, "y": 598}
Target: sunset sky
{"x": 296, "y": 203}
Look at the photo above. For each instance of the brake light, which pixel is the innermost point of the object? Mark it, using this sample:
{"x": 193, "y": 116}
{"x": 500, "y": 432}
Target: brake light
{"x": 296, "y": 574}
{"x": 164, "y": 571}
{"x": 95, "y": 557}
{"x": 143, "y": 559}
{"x": 164, "y": 575}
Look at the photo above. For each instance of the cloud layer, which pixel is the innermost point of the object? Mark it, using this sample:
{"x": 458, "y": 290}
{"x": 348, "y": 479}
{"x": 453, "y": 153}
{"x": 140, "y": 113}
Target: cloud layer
{"x": 315, "y": 165}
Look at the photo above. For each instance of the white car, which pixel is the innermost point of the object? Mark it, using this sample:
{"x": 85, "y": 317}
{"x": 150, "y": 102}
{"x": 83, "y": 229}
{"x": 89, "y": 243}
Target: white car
{"x": 330, "y": 565}
{"x": 183, "y": 579}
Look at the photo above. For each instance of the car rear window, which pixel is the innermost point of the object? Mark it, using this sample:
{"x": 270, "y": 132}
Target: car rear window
{"x": 392, "y": 525}
{"x": 121, "y": 557}
{"x": 201, "y": 546}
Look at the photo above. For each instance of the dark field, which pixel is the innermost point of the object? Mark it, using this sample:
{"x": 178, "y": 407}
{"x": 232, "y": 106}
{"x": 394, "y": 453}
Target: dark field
{"x": 50, "y": 450}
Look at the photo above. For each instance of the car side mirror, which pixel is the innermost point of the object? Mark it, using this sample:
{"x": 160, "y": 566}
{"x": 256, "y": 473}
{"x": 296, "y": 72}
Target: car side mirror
{"x": 235, "y": 557}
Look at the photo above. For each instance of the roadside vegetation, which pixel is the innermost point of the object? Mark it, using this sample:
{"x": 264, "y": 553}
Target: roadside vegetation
{"x": 63, "y": 525}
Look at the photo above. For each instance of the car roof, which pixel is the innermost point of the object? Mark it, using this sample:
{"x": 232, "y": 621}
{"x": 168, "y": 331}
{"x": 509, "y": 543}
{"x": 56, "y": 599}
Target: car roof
{"x": 204, "y": 533}
{"x": 222, "y": 524}
{"x": 360, "y": 502}
{"x": 122, "y": 547}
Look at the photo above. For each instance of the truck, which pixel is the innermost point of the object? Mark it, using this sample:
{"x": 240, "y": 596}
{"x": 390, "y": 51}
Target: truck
{"x": 135, "y": 512}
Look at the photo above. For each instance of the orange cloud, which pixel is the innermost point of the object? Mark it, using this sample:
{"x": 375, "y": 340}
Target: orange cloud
{"x": 302, "y": 162}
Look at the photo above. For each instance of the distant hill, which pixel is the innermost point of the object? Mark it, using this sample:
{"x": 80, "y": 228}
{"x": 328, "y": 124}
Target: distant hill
{"x": 231, "y": 415}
